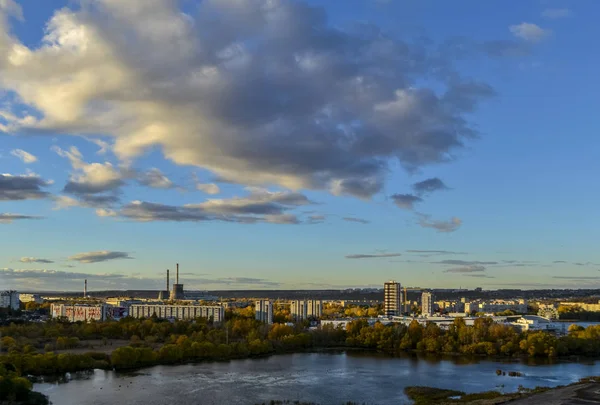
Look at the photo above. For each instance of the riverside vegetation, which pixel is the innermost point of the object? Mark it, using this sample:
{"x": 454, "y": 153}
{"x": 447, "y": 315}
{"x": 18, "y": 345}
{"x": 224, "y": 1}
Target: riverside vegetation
{"x": 34, "y": 349}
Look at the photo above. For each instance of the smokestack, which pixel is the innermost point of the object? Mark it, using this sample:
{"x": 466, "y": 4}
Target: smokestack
{"x": 85, "y": 288}
{"x": 168, "y": 289}
{"x": 177, "y": 273}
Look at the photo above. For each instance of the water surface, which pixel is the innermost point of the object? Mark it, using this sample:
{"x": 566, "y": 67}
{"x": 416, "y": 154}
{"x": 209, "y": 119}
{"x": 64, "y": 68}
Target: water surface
{"x": 319, "y": 377}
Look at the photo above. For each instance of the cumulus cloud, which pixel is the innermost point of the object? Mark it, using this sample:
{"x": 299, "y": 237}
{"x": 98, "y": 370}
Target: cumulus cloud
{"x": 529, "y": 32}
{"x": 99, "y": 256}
{"x": 428, "y": 186}
{"x": 406, "y": 201}
{"x": 359, "y": 220}
{"x": 208, "y": 188}
{"x": 34, "y": 260}
{"x": 22, "y": 187}
{"x": 556, "y": 13}
{"x": 256, "y": 91}
{"x": 441, "y": 226}
{"x": 372, "y": 256}
{"x": 154, "y": 178}
{"x": 7, "y": 218}
{"x": 474, "y": 268}
{"x": 26, "y": 157}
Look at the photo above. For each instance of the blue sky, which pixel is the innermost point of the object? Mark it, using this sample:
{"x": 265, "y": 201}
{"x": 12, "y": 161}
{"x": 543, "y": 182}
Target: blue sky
{"x": 298, "y": 144}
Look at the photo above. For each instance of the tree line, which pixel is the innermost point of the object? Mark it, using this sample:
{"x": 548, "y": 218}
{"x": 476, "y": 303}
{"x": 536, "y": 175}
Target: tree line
{"x": 31, "y": 348}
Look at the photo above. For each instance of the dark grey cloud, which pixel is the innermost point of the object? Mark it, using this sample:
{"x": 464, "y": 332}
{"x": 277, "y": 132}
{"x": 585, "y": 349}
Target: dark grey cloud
{"x": 34, "y": 260}
{"x": 372, "y": 256}
{"x": 7, "y": 218}
{"x": 406, "y": 201}
{"x": 22, "y": 187}
{"x": 559, "y": 261}
{"x": 464, "y": 262}
{"x": 99, "y": 256}
{"x": 260, "y": 93}
{"x": 441, "y": 226}
{"x": 353, "y": 219}
{"x": 428, "y": 186}
{"x": 474, "y": 268}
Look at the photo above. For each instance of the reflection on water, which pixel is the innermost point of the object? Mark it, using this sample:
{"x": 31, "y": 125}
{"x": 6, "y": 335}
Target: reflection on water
{"x": 325, "y": 378}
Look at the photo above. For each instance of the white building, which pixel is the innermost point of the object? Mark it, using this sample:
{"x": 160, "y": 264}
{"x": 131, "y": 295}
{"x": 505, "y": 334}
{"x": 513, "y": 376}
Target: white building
{"x": 392, "y": 298}
{"x": 264, "y": 311}
{"x": 75, "y": 313}
{"x": 306, "y": 309}
{"x": 9, "y": 299}
{"x": 31, "y": 298}
{"x": 217, "y": 312}
{"x": 427, "y": 303}
{"x": 536, "y": 323}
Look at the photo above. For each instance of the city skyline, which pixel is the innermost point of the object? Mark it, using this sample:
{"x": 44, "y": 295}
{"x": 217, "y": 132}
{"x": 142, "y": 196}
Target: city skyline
{"x": 298, "y": 144}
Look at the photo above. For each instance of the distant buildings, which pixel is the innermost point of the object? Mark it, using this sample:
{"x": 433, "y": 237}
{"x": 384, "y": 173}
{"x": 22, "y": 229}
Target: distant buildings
{"x": 31, "y": 298}
{"x": 427, "y": 303}
{"x": 9, "y": 299}
{"x": 516, "y": 305}
{"x": 264, "y": 311}
{"x": 583, "y": 305}
{"x": 306, "y": 309}
{"x": 216, "y": 313}
{"x": 392, "y": 298}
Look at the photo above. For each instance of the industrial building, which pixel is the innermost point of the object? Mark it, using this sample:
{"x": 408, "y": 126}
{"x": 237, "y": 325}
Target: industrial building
{"x": 427, "y": 303}
{"x": 177, "y": 291}
{"x": 392, "y": 298}
{"x": 264, "y": 311}
{"x": 9, "y": 299}
{"x": 306, "y": 309}
{"x": 217, "y": 313}
{"x": 75, "y": 313}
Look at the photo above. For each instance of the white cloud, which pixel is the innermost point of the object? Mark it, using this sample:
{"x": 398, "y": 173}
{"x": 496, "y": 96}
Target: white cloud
{"x": 154, "y": 178}
{"x": 556, "y": 13}
{"x": 26, "y": 157}
{"x": 103, "y": 212}
{"x": 99, "y": 256}
{"x": 529, "y": 32}
{"x": 208, "y": 188}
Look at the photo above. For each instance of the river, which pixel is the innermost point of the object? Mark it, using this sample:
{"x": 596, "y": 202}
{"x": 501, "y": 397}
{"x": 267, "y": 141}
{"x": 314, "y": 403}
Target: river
{"x": 320, "y": 377}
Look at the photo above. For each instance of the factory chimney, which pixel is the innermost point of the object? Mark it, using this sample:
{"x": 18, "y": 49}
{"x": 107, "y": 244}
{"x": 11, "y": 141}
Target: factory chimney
{"x": 168, "y": 288}
{"x": 177, "y": 273}
{"x": 85, "y": 288}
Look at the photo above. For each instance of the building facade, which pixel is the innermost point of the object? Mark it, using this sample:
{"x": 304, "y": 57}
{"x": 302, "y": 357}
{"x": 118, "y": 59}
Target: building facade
{"x": 181, "y": 312}
{"x": 392, "y": 298}
{"x": 9, "y": 299}
{"x": 76, "y": 313}
{"x": 264, "y": 311}
{"x": 427, "y": 303}
{"x": 306, "y": 309}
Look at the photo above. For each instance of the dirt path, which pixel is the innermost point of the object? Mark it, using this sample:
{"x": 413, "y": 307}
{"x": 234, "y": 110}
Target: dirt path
{"x": 585, "y": 394}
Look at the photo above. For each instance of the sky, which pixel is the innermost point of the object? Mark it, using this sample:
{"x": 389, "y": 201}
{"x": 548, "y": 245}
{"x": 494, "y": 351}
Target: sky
{"x": 275, "y": 144}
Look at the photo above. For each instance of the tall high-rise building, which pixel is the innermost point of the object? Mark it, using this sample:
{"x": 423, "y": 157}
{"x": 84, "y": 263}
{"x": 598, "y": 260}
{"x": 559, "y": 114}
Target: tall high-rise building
{"x": 392, "y": 298}
{"x": 427, "y": 303}
{"x": 305, "y": 309}
{"x": 264, "y": 311}
{"x": 9, "y": 299}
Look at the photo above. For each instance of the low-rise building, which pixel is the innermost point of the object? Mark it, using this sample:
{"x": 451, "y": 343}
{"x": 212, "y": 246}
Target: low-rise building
{"x": 9, "y": 299}
{"x": 181, "y": 312}
{"x": 537, "y": 323}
